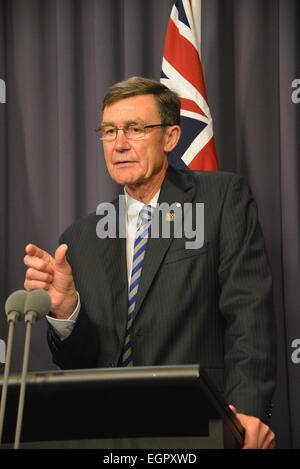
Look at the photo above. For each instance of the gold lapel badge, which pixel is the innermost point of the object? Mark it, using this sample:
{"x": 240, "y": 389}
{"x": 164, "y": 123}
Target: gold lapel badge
{"x": 170, "y": 216}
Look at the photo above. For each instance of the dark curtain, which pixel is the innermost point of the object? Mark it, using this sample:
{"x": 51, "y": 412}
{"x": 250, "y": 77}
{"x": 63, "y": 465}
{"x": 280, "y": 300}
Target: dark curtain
{"x": 58, "y": 57}
{"x": 250, "y": 57}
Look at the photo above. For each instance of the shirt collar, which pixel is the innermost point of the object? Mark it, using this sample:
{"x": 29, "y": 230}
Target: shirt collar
{"x": 134, "y": 206}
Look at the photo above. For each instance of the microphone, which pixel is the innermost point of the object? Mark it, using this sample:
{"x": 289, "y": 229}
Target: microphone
{"x": 37, "y": 305}
{"x": 14, "y": 309}
{"x": 14, "y": 305}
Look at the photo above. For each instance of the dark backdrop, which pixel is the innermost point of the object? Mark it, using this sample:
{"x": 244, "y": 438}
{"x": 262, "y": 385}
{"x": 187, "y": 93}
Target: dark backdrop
{"x": 58, "y": 57}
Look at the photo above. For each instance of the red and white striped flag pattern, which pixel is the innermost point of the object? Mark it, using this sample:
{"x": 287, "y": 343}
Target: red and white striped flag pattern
{"x": 182, "y": 72}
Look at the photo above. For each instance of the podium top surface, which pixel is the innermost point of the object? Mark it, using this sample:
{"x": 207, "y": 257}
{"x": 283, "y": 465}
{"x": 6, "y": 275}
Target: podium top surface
{"x": 118, "y": 402}
{"x": 174, "y": 372}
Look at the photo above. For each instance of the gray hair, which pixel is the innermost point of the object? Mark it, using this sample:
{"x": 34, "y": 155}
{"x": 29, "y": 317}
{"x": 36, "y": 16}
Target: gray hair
{"x": 168, "y": 102}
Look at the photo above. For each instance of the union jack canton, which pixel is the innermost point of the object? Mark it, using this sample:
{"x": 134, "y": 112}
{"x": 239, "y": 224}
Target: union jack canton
{"x": 182, "y": 72}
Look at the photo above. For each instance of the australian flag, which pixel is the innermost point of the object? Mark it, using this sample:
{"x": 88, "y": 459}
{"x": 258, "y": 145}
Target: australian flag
{"x": 182, "y": 72}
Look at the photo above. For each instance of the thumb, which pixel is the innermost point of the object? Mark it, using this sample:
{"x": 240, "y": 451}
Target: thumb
{"x": 60, "y": 255}
{"x": 233, "y": 409}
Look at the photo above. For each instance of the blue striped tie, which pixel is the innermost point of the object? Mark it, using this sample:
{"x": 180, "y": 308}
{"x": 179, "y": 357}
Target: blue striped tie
{"x": 139, "y": 249}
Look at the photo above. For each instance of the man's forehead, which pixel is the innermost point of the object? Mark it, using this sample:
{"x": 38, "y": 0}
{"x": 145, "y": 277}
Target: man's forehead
{"x": 135, "y": 108}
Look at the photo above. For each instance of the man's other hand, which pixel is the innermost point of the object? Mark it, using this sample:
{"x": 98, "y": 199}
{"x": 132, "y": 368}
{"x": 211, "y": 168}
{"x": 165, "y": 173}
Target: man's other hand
{"x": 257, "y": 434}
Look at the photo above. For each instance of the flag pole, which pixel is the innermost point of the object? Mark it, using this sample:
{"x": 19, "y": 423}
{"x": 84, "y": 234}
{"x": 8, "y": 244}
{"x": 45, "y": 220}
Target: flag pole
{"x": 197, "y": 10}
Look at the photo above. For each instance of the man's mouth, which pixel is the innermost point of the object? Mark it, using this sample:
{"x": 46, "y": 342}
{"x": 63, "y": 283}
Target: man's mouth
{"x": 124, "y": 162}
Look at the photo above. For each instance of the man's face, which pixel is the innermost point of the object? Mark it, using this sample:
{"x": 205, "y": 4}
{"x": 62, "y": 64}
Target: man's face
{"x": 135, "y": 162}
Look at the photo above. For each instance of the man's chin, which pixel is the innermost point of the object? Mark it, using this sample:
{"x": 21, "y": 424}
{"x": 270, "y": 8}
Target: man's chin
{"x": 124, "y": 179}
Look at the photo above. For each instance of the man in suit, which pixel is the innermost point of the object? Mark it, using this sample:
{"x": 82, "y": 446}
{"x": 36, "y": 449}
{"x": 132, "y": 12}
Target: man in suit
{"x": 210, "y": 304}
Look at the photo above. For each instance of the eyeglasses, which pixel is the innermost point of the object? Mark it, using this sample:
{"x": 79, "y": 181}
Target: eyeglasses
{"x": 131, "y": 131}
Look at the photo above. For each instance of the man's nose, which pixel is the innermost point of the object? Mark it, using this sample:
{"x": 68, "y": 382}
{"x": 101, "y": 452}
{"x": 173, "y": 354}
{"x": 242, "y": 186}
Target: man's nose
{"x": 121, "y": 141}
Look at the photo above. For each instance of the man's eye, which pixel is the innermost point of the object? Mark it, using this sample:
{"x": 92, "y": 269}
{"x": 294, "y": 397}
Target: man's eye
{"x": 135, "y": 129}
{"x": 109, "y": 130}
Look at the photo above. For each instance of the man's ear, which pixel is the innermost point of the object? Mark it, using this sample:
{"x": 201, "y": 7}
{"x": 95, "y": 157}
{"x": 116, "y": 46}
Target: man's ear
{"x": 172, "y": 135}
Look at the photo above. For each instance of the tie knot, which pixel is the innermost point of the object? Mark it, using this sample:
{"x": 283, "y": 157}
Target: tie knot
{"x": 145, "y": 216}
{"x": 146, "y": 212}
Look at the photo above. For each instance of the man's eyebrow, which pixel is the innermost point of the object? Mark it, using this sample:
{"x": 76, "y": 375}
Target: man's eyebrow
{"x": 130, "y": 122}
{"x": 107, "y": 124}
{"x": 135, "y": 121}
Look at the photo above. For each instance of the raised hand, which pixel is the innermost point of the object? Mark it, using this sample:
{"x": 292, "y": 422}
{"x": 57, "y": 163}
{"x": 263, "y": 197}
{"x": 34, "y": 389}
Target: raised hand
{"x": 53, "y": 274}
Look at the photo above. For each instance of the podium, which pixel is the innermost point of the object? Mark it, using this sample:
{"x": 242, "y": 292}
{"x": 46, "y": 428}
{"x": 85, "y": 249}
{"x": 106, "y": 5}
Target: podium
{"x": 122, "y": 408}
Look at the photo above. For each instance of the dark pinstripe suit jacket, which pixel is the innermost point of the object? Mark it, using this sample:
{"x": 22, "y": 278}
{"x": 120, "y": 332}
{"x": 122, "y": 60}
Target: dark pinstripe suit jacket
{"x": 211, "y": 306}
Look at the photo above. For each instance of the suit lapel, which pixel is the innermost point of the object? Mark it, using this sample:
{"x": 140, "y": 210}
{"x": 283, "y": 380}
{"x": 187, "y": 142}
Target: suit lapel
{"x": 177, "y": 187}
{"x": 113, "y": 258}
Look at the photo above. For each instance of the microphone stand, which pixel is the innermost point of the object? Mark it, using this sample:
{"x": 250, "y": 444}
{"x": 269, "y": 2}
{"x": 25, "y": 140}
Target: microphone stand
{"x": 30, "y": 318}
{"x": 11, "y": 318}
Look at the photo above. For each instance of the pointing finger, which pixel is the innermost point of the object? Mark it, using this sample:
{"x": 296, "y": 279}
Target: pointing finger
{"x": 35, "y": 251}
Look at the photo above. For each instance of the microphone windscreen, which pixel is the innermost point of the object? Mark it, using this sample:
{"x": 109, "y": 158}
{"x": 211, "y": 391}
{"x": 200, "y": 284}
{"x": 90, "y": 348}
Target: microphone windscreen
{"x": 16, "y": 302}
{"x": 38, "y": 301}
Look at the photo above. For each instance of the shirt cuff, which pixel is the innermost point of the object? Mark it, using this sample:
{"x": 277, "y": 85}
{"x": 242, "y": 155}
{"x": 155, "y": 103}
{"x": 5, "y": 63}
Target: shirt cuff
{"x": 64, "y": 327}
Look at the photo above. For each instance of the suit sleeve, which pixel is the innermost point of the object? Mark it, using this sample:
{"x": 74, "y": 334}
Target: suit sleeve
{"x": 81, "y": 347}
{"x": 246, "y": 303}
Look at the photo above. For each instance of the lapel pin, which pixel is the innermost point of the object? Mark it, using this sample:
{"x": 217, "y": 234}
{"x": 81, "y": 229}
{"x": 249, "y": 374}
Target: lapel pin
{"x": 170, "y": 216}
